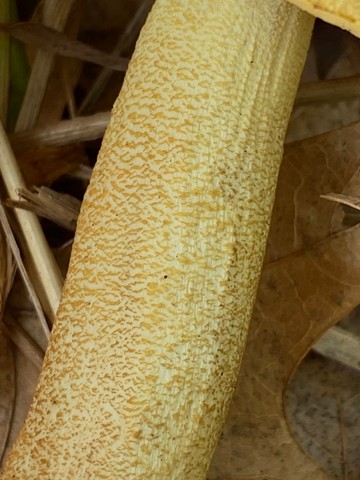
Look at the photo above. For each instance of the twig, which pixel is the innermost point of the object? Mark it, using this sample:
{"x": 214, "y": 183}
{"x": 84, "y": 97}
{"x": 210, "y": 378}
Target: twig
{"x": 333, "y": 90}
{"x": 46, "y": 270}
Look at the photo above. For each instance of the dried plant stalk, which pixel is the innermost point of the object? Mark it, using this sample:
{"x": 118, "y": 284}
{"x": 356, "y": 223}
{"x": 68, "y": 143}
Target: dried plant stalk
{"x": 55, "y": 15}
{"x": 35, "y": 90}
{"x": 69, "y": 92}
{"x": 45, "y": 268}
{"x": 333, "y": 90}
{"x": 58, "y": 207}
{"x": 79, "y": 129}
{"x": 22, "y": 270}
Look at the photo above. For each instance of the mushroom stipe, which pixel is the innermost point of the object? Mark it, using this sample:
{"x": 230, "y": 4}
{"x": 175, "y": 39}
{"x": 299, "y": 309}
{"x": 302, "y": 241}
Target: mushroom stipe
{"x": 140, "y": 368}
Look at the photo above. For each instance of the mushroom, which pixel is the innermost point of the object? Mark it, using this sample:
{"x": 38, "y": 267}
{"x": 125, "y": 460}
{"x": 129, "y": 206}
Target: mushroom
{"x": 149, "y": 335}
{"x": 342, "y": 13}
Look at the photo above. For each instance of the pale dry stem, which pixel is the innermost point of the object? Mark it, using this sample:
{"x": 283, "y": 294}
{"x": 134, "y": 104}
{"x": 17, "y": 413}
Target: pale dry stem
{"x": 46, "y": 272}
{"x": 66, "y": 132}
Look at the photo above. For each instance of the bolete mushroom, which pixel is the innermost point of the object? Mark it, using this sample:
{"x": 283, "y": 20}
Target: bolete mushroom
{"x": 149, "y": 335}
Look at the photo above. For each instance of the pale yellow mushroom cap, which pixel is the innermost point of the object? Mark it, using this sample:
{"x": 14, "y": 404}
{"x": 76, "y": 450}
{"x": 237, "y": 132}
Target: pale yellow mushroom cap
{"x": 342, "y": 13}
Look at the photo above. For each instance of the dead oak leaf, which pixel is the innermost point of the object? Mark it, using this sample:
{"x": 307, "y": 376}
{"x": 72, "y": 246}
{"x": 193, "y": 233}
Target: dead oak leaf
{"x": 309, "y": 282}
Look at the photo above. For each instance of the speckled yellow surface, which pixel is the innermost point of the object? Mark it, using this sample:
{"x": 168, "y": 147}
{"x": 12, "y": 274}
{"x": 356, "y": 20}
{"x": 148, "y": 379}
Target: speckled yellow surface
{"x": 343, "y": 13}
{"x": 149, "y": 335}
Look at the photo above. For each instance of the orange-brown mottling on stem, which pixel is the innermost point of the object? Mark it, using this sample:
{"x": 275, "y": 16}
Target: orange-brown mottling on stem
{"x": 184, "y": 186}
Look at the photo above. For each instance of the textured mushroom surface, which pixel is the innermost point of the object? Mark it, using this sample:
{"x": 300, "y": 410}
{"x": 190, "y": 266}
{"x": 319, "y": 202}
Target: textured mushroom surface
{"x": 148, "y": 339}
{"x": 343, "y": 13}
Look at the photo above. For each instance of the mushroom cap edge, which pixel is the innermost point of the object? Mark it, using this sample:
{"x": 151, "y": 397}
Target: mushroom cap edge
{"x": 345, "y": 15}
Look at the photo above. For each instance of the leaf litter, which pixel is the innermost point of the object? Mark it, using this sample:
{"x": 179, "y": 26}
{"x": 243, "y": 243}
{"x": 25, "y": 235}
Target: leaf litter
{"x": 309, "y": 283}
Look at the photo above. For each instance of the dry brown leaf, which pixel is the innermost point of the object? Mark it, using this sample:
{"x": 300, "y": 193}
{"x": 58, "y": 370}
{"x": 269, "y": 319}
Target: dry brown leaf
{"x": 11, "y": 241}
{"x": 330, "y": 44}
{"x": 26, "y": 344}
{"x": 319, "y": 394}
{"x": 299, "y": 298}
{"x": 44, "y": 165}
{"x": 7, "y": 391}
{"x": 314, "y": 119}
{"x": 58, "y": 43}
{"x": 329, "y": 162}
{"x": 105, "y": 15}
{"x": 125, "y": 41}
{"x": 309, "y": 283}
{"x": 7, "y": 372}
{"x": 56, "y": 99}
{"x": 26, "y": 369}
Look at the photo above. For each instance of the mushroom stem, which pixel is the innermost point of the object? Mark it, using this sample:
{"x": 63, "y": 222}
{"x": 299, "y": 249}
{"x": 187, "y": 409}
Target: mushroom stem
{"x": 169, "y": 246}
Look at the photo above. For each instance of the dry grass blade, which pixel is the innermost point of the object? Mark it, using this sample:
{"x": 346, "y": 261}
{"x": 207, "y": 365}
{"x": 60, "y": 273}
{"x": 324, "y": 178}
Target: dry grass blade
{"x": 60, "y": 208}
{"x": 70, "y": 97}
{"x": 23, "y": 272}
{"x": 35, "y": 91}
{"x": 350, "y": 201}
{"x": 333, "y": 90}
{"x": 55, "y": 15}
{"x": 46, "y": 272}
{"x": 7, "y": 270}
{"x": 79, "y": 129}
{"x": 58, "y": 43}
{"x": 24, "y": 342}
